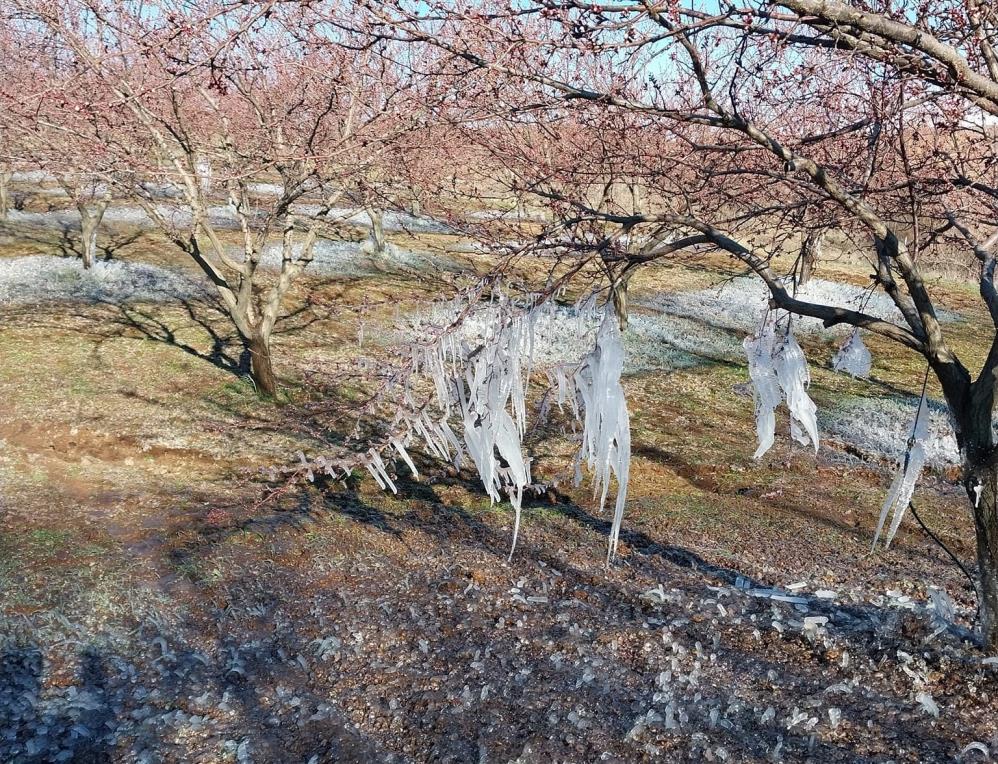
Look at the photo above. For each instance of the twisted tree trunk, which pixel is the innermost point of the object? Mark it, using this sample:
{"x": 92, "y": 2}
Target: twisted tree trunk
{"x": 90, "y": 219}
{"x": 982, "y": 488}
{"x": 618, "y": 297}
{"x": 377, "y": 231}
{"x": 261, "y": 365}
{"x": 981, "y": 483}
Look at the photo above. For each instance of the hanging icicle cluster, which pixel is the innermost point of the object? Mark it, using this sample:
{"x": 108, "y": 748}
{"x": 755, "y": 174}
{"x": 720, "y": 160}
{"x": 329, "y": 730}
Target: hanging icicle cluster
{"x": 853, "y": 357}
{"x": 909, "y": 470}
{"x": 779, "y": 371}
{"x": 606, "y": 438}
{"x": 485, "y": 386}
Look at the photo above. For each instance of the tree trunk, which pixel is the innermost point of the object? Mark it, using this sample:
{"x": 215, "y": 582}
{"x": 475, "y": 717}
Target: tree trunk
{"x": 618, "y": 295}
{"x": 88, "y": 228}
{"x": 637, "y": 198}
{"x": 810, "y": 253}
{"x": 982, "y": 488}
{"x": 4, "y": 194}
{"x": 377, "y": 240}
{"x": 261, "y": 367}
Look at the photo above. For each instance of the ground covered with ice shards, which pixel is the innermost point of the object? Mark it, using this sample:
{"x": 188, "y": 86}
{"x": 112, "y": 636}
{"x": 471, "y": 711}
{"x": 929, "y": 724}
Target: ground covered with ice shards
{"x": 158, "y": 602}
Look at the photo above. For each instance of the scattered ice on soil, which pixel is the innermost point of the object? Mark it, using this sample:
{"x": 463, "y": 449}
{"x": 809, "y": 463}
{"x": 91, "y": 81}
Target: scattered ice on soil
{"x": 38, "y": 278}
{"x": 928, "y": 703}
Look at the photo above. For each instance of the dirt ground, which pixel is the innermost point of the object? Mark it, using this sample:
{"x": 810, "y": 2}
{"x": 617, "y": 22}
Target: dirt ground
{"x": 163, "y": 600}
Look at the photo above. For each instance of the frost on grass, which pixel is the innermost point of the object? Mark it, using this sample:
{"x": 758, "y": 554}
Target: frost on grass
{"x": 348, "y": 259}
{"x": 734, "y": 305}
{"x": 778, "y": 370}
{"x": 41, "y": 278}
{"x": 391, "y": 221}
{"x": 653, "y": 341}
{"x": 880, "y": 427}
{"x": 173, "y": 216}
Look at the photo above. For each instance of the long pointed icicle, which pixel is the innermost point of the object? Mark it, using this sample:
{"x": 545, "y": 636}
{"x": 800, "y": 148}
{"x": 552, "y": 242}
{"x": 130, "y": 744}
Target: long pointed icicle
{"x": 606, "y": 437}
{"x": 485, "y": 382}
{"x": 909, "y": 470}
{"x": 765, "y": 386}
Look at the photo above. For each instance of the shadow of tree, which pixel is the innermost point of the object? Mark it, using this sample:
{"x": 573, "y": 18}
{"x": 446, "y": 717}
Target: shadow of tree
{"x": 39, "y": 724}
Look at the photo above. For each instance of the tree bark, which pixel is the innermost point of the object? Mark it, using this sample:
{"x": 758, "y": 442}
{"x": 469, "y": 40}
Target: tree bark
{"x": 4, "y": 193}
{"x": 618, "y": 296}
{"x": 810, "y": 253}
{"x": 377, "y": 231}
{"x": 261, "y": 366}
{"x": 982, "y": 489}
{"x": 88, "y": 229}
{"x": 90, "y": 219}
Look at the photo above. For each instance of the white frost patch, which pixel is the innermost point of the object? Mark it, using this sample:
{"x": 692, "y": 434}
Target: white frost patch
{"x": 224, "y": 216}
{"x": 40, "y": 278}
{"x": 32, "y": 176}
{"x": 651, "y": 342}
{"x": 880, "y": 427}
{"x": 393, "y": 222}
{"x": 736, "y": 305}
{"x": 350, "y": 259}
{"x": 178, "y": 217}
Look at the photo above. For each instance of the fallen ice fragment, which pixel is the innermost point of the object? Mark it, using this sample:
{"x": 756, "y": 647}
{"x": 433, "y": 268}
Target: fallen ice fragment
{"x": 834, "y": 717}
{"x": 975, "y": 746}
{"x": 928, "y": 704}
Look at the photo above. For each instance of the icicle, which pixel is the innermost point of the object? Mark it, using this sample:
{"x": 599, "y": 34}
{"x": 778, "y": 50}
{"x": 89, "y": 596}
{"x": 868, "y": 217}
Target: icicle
{"x": 405, "y": 457}
{"x": 794, "y": 378}
{"x": 377, "y": 469}
{"x": 909, "y": 470}
{"x": 766, "y": 387}
{"x": 606, "y": 436}
{"x": 853, "y": 357}
{"x": 778, "y": 370}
